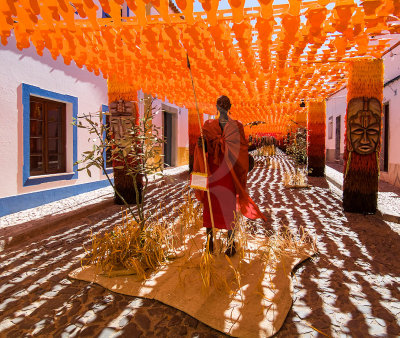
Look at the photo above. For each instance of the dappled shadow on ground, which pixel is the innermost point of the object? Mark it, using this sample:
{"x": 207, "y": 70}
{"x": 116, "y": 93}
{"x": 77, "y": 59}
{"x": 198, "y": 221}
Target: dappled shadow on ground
{"x": 37, "y": 298}
{"x": 351, "y": 287}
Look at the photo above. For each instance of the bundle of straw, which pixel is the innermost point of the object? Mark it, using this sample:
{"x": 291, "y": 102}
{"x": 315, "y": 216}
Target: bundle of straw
{"x": 296, "y": 179}
{"x": 131, "y": 249}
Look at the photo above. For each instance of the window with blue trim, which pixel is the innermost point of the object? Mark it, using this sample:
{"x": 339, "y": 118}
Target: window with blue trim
{"x": 49, "y": 139}
{"x": 47, "y": 136}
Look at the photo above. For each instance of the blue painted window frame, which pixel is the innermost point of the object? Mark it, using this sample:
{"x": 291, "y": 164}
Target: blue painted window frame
{"x": 104, "y": 108}
{"x": 105, "y": 15}
{"x": 27, "y": 91}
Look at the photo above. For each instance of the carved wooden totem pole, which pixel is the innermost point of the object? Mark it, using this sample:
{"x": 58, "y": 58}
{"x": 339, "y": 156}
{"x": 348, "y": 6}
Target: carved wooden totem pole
{"x": 122, "y": 119}
{"x": 363, "y": 136}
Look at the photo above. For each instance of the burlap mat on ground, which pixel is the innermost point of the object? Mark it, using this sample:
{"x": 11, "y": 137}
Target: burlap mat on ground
{"x": 255, "y": 307}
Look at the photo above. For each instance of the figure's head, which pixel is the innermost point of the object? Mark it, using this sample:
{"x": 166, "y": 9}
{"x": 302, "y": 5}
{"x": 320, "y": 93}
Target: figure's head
{"x": 363, "y": 125}
{"x": 223, "y": 104}
{"x": 364, "y": 132}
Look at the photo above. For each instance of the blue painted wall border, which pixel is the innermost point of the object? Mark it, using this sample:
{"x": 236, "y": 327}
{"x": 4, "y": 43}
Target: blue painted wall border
{"x": 27, "y": 91}
{"x": 105, "y": 15}
{"x": 11, "y": 204}
{"x": 104, "y": 108}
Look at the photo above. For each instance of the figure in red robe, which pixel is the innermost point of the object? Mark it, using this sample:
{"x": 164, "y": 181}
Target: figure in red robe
{"x": 228, "y": 164}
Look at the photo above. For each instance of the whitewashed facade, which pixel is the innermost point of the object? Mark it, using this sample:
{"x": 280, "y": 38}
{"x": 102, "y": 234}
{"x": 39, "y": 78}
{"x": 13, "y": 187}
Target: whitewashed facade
{"x": 23, "y": 75}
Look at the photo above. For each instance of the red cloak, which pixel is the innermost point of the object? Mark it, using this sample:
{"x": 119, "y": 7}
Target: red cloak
{"x": 228, "y": 165}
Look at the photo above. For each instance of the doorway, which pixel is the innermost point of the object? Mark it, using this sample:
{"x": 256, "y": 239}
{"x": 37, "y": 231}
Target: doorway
{"x": 384, "y": 156}
{"x": 167, "y": 132}
{"x": 337, "y": 139}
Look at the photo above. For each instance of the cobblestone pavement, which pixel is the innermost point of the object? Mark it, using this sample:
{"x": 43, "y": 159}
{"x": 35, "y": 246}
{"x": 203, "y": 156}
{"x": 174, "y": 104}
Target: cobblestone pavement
{"x": 56, "y": 208}
{"x": 388, "y": 195}
{"x": 352, "y": 287}
{"x": 70, "y": 204}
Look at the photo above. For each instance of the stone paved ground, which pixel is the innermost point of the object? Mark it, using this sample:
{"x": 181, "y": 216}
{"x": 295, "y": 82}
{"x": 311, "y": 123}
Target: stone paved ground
{"x": 388, "y": 195}
{"x": 352, "y": 287}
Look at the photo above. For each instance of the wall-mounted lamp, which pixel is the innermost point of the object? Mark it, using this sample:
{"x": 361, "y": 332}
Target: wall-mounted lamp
{"x": 302, "y": 103}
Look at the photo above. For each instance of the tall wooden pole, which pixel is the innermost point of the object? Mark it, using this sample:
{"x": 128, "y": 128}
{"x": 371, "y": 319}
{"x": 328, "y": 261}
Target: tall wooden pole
{"x": 194, "y": 133}
{"x": 363, "y": 135}
{"x": 316, "y": 138}
{"x": 121, "y": 93}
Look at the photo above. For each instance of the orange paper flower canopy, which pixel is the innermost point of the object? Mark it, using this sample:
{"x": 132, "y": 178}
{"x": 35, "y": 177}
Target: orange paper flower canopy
{"x": 265, "y": 59}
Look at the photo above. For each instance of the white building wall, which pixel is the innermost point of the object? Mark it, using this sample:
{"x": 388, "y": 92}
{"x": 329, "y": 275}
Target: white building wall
{"x": 391, "y": 96}
{"x": 183, "y": 126}
{"x": 392, "y": 64}
{"x": 180, "y": 144}
{"x": 27, "y": 67}
{"x": 335, "y": 106}
{"x": 17, "y": 67}
{"x": 393, "y": 174}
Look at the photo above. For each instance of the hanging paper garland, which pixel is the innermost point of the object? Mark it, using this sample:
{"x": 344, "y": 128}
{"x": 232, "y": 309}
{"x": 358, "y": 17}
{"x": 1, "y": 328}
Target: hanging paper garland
{"x": 262, "y": 58}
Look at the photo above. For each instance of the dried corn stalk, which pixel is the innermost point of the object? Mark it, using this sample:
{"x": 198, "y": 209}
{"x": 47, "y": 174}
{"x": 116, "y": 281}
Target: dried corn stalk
{"x": 296, "y": 179}
{"x": 131, "y": 249}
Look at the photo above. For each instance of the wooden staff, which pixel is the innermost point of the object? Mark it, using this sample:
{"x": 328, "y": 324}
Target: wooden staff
{"x": 202, "y": 143}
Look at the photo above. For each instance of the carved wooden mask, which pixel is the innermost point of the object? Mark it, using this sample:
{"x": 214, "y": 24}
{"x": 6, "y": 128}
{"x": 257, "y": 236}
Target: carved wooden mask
{"x": 123, "y": 115}
{"x": 363, "y": 125}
